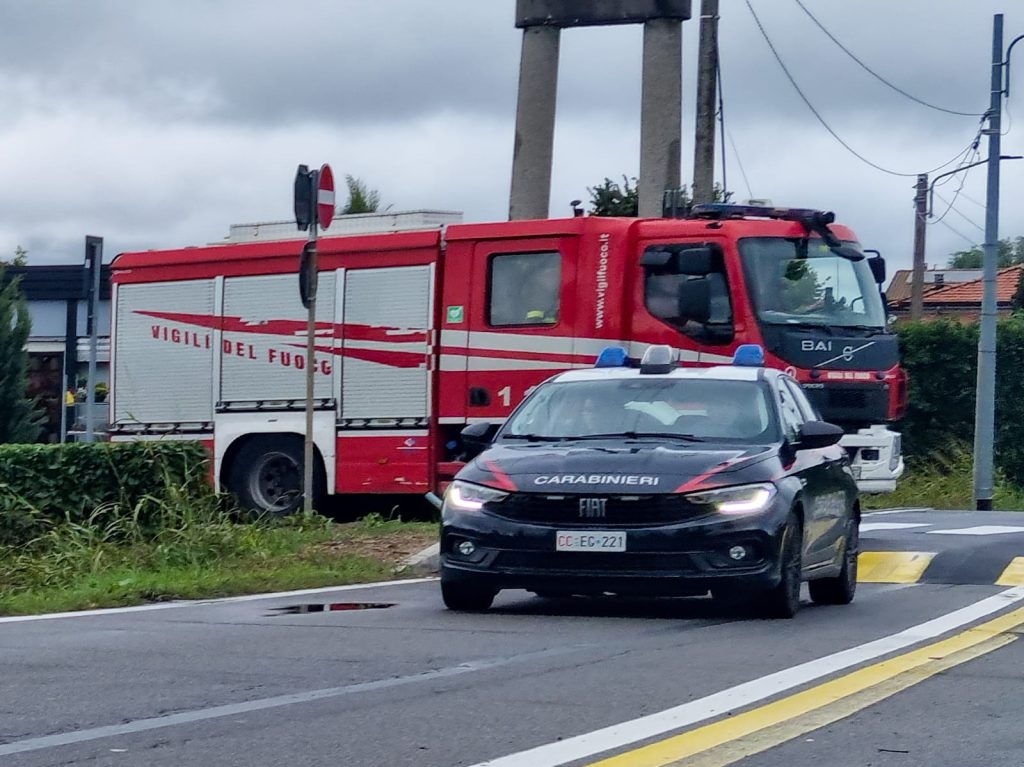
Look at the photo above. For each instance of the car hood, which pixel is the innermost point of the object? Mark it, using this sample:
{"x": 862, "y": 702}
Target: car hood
{"x": 634, "y": 469}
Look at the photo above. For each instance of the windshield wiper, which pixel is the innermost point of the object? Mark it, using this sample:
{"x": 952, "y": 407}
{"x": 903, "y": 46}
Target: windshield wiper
{"x": 642, "y": 435}
{"x": 534, "y": 437}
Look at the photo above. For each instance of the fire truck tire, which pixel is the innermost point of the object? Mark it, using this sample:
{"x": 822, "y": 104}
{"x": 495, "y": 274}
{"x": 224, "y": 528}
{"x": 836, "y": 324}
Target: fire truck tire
{"x": 267, "y": 475}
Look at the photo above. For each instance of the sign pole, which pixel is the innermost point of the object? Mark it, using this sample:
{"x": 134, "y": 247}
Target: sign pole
{"x": 94, "y": 264}
{"x": 310, "y": 371}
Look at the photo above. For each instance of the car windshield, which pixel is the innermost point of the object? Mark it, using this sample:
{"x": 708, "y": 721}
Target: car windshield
{"x": 803, "y": 282}
{"x": 682, "y": 408}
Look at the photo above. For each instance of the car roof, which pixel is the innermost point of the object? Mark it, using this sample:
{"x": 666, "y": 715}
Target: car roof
{"x": 717, "y": 373}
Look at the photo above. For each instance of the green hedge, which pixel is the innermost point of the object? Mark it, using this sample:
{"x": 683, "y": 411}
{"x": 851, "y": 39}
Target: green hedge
{"x": 941, "y": 359}
{"x": 44, "y": 484}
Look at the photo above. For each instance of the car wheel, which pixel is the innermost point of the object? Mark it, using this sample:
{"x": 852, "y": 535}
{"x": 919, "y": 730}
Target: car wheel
{"x": 783, "y": 601}
{"x": 267, "y": 476}
{"x": 840, "y": 590}
{"x": 463, "y": 597}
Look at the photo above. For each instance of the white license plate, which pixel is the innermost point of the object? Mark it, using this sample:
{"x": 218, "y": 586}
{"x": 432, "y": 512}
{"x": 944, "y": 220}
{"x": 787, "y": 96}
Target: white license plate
{"x": 590, "y": 540}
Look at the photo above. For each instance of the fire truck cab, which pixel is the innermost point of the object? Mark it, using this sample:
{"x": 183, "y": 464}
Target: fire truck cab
{"x": 420, "y": 333}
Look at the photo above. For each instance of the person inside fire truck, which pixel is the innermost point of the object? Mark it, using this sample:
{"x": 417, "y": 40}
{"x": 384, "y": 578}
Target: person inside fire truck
{"x": 540, "y": 294}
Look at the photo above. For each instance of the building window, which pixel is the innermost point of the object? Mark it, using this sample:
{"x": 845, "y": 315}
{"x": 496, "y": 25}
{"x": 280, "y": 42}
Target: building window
{"x": 524, "y": 289}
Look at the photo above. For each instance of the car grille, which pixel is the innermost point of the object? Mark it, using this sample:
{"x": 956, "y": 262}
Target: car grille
{"x": 581, "y": 561}
{"x": 619, "y": 511}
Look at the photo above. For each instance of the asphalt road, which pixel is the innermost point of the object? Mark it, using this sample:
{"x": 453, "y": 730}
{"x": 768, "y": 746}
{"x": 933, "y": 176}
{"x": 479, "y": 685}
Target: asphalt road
{"x": 924, "y": 669}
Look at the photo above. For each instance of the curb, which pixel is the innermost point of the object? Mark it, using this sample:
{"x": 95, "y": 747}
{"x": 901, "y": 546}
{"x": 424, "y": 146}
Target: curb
{"x": 425, "y": 562}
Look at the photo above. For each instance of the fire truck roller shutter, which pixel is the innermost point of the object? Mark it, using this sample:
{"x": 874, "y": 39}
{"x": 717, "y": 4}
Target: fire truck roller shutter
{"x": 384, "y": 371}
{"x": 263, "y": 354}
{"x": 163, "y": 365}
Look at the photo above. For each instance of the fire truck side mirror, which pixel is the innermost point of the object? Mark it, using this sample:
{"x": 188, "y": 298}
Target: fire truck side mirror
{"x": 695, "y": 299}
{"x": 694, "y": 261}
{"x": 877, "y": 265}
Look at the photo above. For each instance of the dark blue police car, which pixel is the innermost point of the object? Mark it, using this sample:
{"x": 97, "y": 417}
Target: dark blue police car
{"x": 655, "y": 480}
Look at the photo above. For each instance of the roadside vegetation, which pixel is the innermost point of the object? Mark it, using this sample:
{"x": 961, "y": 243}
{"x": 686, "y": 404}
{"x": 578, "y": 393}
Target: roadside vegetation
{"x": 945, "y": 480}
{"x": 146, "y": 526}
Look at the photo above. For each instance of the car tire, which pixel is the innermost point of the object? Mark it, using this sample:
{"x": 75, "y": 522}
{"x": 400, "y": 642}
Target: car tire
{"x": 463, "y": 597}
{"x": 783, "y": 600}
{"x": 840, "y": 589}
{"x": 267, "y": 476}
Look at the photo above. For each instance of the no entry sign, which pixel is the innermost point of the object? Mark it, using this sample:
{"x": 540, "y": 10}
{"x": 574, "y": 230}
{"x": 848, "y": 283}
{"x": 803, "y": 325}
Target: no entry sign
{"x": 325, "y": 197}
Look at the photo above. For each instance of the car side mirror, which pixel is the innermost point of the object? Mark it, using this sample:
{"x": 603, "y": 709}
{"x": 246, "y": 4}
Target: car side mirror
{"x": 814, "y": 435}
{"x": 477, "y": 437}
{"x": 695, "y": 300}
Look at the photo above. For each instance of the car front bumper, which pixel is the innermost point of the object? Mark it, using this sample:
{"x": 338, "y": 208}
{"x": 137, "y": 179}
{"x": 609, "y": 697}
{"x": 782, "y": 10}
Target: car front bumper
{"x": 681, "y": 559}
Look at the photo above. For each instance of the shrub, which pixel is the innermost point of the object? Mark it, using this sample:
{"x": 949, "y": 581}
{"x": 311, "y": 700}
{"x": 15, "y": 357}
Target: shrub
{"x": 941, "y": 360}
{"x": 42, "y": 485}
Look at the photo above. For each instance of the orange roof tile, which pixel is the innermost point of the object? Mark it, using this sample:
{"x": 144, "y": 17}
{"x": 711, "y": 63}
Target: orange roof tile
{"x": 971, "y": 292}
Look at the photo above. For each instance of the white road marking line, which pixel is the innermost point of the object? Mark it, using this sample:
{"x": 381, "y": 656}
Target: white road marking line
{"x": 980, "y": 530}
{"x": 205, "y": 602}
{"x": 867, "y": 527}
{"x": 884, "y": 512}
{"x": 233, "y": 709}
{"x": 654, "y": 725}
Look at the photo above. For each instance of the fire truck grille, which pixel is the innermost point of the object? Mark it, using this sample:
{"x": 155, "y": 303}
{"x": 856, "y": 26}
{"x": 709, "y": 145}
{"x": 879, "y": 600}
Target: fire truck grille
{"x": 618, "y": 511}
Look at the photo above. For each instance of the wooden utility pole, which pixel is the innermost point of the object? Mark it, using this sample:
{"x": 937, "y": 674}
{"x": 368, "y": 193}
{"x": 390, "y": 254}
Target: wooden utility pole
{"x": 707, "y": 82}
{"x": 917, "y": 279}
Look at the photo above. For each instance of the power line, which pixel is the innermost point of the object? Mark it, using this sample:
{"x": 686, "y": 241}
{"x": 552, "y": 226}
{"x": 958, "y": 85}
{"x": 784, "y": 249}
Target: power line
{"x": 959, "y": 234}
{"x": 956, "y": 210}
{"x": 825, "y": 124}
{"x": 971, "y": 199}
{"x": 875, "y": 74}
{"x": 740, "y": 163}
{"x": 963, "y": 180}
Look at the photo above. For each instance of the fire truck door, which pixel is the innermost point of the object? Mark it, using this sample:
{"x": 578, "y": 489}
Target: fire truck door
{"x": 521, "y": 321}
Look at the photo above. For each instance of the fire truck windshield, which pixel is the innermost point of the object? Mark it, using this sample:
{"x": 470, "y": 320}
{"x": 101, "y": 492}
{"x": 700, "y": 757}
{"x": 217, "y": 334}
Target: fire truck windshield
{"x": 802, "y": 282}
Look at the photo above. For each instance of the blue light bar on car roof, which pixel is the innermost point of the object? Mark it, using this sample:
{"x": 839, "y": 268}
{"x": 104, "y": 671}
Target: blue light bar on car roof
{"x": 612, "y": 357}
{"x": 749, "y": 355}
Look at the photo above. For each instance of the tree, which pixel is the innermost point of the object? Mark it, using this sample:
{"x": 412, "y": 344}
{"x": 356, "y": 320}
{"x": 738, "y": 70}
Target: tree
{"x": 610, "y": 199}
{"x": 1011, "y": 252}
{"x": 20, "y": 258}
{"x": 361, "y": 199}
{"x": 19, "y": 419}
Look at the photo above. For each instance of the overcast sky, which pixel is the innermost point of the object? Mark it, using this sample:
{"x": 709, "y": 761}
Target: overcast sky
{"x": 159, "y": 123}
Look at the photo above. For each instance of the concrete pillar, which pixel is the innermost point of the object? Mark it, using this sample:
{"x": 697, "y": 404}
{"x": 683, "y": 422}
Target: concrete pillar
{"x": 535, "y": 124}
{"x": 661, "y": 108}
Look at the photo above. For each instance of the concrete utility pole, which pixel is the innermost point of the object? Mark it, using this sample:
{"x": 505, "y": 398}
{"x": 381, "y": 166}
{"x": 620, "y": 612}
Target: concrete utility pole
{"x": 661, "y": 114}
{"x": 984, "y": 416}
{"x": 917, "y": 279}
{"x": 535, "y": 124}
{"x": 661, "y": 102}
{"x": 707, "y": 83}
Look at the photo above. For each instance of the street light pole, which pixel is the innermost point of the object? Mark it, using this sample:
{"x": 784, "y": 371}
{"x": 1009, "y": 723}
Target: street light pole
{"x": 984, "y": 416}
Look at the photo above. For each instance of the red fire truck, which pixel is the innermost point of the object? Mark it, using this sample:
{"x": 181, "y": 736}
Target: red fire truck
{"x": 420, "y": 333}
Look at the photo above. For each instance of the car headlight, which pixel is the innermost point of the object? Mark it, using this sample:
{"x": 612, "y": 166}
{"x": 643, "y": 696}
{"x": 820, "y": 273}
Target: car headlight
{"x": 465, "y": 496}
{"x": 741, "y": 499}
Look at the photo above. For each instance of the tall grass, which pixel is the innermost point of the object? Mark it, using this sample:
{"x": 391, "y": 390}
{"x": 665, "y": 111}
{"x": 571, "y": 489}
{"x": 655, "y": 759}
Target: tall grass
{"x": 945, "y": 480}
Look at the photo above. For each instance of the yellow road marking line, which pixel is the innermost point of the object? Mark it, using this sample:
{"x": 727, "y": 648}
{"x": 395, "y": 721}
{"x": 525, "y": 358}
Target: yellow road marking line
{"x": 923, "y": 660}
{"x": 892, "y": 566}
{"x": 1013, "y": 575}
{"x": 758, "y": 742}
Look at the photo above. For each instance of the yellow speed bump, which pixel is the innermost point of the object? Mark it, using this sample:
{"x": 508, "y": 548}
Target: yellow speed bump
{"x": 1013, "y": 575}
{"x": 893, "y": 566}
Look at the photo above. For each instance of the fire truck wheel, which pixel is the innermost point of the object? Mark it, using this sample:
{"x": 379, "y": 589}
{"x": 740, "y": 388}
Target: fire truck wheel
{"x": 267, "y": 475}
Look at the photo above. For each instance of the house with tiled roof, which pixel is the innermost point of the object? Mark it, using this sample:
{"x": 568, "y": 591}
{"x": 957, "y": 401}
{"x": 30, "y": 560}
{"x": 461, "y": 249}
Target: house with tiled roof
{"x": 953, "y": 293}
